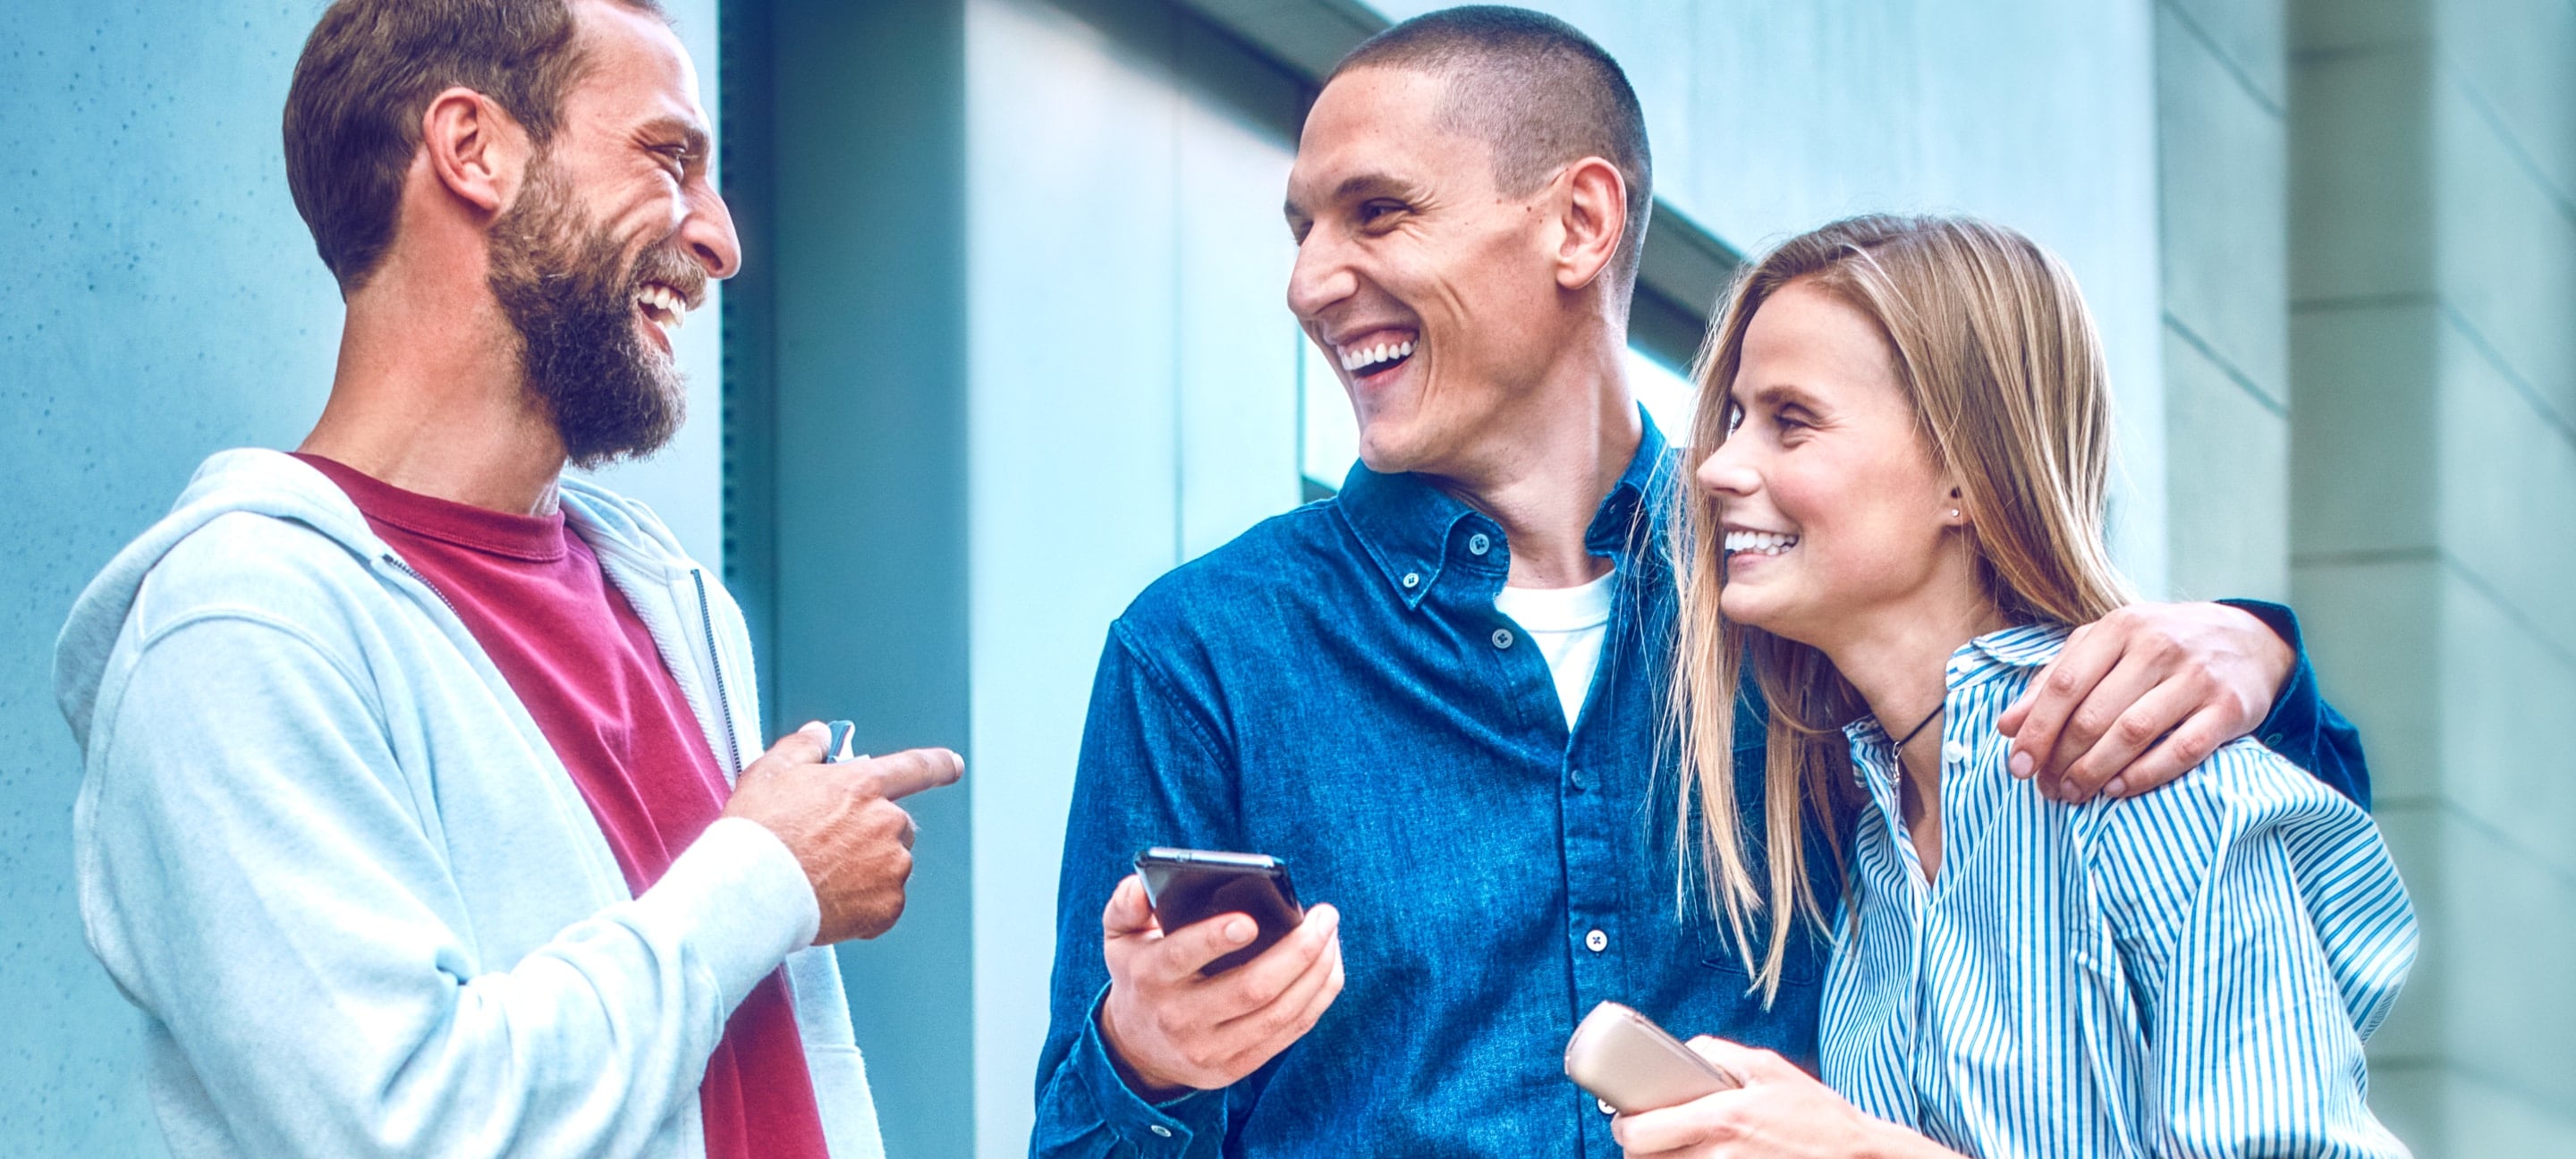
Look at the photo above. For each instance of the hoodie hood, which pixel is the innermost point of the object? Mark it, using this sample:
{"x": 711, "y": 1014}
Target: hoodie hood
{"x": 278, "y": 485}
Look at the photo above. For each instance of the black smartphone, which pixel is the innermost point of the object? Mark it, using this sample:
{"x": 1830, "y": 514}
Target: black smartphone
{"x": 1189, "y": 886}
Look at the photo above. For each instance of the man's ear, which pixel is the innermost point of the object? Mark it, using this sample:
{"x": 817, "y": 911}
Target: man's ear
{"x": 1593, "y": 200}
{"x": 477, "y": 151}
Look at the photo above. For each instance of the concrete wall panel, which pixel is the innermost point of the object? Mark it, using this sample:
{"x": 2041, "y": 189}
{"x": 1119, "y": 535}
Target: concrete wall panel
{"x": 2222, "y": 185}
{"x": 2510, "y": 58}
{"x": 2362, "y": 458}
{"x": 2361, "y": 223}
{"x": 2505, "y": 920}
{"x": 2230, "y": 491}
{"x": 2248, "y": 39}
{"x": 2508, "y": 252}
{"x": 2507, "y": 488}
{"x": 2516, "y": 781}
{"x": 2374, "y": 634}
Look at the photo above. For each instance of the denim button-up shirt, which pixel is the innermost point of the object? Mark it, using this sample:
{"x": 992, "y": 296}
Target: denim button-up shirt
{"x": 1335, "y": 688}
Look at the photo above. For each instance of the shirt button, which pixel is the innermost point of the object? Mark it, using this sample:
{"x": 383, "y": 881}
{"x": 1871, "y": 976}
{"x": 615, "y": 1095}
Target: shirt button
{"x": 1605, "y": 1106}
{"x": 1165, "y": 1132}
{"x": 1477, "y": 544}
{"x": 1955, "y": 752}
{"x": 1502, "y": 637}
{"x": 1596, "y": 941}
{"x": 1413, "y": 579}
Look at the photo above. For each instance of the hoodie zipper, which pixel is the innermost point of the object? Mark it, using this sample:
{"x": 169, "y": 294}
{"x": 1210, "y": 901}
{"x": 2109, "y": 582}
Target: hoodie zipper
{"x": 423, "y": 581}
{"x": 715, "y": 666}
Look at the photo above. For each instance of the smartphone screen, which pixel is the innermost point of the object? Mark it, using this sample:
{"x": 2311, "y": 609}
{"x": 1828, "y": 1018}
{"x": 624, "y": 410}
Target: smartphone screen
{"x": 1189, "y": 886}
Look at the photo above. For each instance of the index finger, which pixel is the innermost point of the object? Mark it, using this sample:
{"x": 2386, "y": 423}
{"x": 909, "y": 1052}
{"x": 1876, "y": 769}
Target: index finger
{"x": 2054, "y": 697}
{"x": 900, "y": 775}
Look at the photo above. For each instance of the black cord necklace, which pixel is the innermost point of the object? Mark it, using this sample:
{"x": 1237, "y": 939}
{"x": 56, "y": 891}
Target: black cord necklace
{"x": 1910, "y": 733}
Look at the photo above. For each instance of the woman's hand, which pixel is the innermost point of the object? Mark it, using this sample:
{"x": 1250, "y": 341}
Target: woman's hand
{"x": 1778, "y": 1112}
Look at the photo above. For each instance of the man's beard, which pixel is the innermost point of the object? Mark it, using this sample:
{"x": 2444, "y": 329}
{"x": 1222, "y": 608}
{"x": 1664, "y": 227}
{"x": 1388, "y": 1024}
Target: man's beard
{"x": 563, "y": 285}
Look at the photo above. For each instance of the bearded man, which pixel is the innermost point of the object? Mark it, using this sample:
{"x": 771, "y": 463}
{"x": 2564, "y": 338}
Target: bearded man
{"x": 411, "y": 815}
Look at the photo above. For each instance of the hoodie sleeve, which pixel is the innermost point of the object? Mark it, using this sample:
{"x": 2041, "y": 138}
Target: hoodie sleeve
{"x": 256, "y": 873}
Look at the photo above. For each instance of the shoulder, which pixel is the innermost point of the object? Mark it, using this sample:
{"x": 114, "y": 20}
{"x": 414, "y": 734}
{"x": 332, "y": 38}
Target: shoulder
{"x": 2241, "y": 788}
{"x": 254, "y": 566}
{"x": 1228, "y": 624}
{"x": 1294, "y": 557}
{"x": 2170, "y": 842}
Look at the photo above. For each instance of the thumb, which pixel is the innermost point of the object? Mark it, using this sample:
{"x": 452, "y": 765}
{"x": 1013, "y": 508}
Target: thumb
{"x": 1127, "y": 915}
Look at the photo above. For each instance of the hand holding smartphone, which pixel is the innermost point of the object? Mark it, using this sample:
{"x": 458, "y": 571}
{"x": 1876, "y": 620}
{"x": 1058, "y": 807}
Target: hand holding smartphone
{"x": 1189, "y": 886}
{"x": 1627, "y": 1061}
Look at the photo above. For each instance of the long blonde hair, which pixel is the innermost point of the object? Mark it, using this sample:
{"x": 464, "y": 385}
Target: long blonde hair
{"x": 1998, "y": 357}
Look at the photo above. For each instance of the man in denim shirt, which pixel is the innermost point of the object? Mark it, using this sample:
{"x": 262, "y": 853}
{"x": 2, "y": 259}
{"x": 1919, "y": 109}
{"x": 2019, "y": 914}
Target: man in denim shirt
{"x": 1338, "y": 687}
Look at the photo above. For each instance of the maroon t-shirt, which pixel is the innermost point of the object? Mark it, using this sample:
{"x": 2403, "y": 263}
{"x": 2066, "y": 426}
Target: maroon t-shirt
{"x": 574, "y": 651}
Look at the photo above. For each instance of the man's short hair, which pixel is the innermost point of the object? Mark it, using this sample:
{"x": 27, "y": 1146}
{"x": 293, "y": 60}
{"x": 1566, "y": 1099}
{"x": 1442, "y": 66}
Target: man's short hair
{"x": 367, "y": 73}
{"x": 1539, "y": 93}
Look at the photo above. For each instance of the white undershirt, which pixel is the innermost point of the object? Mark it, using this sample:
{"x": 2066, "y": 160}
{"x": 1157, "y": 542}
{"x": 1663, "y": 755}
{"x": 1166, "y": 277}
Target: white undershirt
{"x": 1568, "y": 625}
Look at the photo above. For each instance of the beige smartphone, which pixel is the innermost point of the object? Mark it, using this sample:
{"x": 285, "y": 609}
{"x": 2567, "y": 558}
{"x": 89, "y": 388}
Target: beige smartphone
{"x": 1627, "y": 1061}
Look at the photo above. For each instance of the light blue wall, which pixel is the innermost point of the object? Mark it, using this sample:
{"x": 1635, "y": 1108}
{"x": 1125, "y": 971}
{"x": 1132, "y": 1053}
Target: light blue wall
{"x": 165, "y": 304}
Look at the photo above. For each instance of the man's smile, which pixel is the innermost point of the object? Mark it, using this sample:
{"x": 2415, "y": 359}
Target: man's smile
{"x": 664, "y": 310}
{"x": 1365, "y": 354}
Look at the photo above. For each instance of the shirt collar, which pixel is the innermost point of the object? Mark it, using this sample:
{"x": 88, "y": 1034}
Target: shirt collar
{"x": 1985, "y": 658}
{"x": 2026, "y": 646}
{"x": 1415, "y": 531}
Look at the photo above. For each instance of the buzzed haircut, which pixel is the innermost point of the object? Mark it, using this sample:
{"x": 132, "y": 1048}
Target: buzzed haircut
{"x": 368, "y": 72}
{"x": 1539, "y": 93}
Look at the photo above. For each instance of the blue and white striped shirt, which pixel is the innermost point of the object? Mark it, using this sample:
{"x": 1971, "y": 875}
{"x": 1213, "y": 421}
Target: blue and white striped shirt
{"x": 2190, "y": 972}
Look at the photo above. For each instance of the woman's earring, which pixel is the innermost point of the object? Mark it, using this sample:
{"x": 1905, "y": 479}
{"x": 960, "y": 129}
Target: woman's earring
{"x": 1954, "y": 513}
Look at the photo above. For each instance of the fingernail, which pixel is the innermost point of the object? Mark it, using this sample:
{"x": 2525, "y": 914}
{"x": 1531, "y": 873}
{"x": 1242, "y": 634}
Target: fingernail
{"x": 1238, "y": 931}
{"x": 2119, "y": 787}
{"x": 2021, "y": 764}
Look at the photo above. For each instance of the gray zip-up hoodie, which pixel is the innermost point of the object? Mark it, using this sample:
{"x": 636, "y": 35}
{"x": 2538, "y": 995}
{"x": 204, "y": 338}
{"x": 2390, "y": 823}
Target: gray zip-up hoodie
{"x": 361, "y": 903}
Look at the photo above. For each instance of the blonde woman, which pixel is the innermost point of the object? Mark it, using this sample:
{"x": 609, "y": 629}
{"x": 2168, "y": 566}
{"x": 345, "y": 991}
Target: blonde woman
{"x": 1906, "y": 435}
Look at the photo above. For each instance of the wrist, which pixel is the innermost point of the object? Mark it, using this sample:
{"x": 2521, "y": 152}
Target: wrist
{"x": 2275, "y": 642}
{"x": 1148, "y": 1086}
